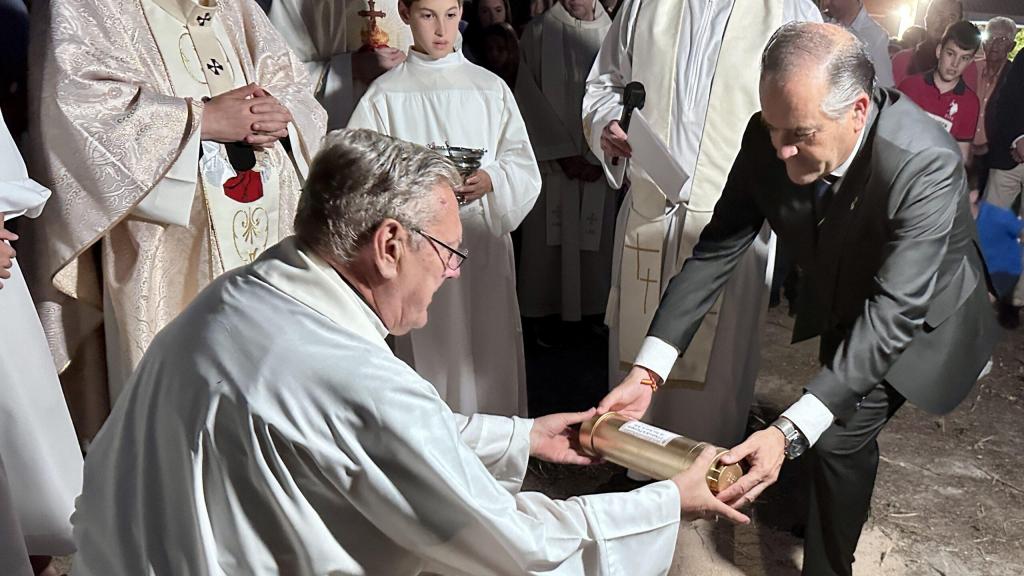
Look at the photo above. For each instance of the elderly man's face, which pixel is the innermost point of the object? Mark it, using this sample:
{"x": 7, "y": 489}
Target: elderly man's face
{"x": 998, "y": 43}
{"x": 811, "y": 143}
{"x": 427, "y": 266}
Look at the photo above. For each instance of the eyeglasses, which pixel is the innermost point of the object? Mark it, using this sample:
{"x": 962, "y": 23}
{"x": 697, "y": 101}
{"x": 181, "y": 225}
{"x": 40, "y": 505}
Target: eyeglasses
{"x": 455, "y": 258}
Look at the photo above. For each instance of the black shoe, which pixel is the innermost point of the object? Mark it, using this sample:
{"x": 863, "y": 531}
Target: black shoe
{"x": 1009, "y": 316}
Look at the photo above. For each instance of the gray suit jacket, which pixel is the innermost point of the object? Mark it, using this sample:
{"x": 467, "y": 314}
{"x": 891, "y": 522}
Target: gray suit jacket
{"x": 895, "y": 283}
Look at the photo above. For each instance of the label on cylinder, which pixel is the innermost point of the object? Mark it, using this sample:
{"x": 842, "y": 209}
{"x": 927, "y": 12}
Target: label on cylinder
{"x": 647, "y": 432}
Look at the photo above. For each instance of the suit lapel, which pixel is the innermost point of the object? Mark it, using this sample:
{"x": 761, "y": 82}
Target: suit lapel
{"x": 830, "y": 236}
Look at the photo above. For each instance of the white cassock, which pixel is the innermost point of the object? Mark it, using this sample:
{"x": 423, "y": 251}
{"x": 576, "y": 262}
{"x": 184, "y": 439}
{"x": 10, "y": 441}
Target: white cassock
{"x": 565, "y": 261}
{"x": 324, "y": 34}
{"x": 292, "y": 441}
{"x": 471, "y": 348}
{"x": 711, "y": 385}
{"x": 38, "y": 447}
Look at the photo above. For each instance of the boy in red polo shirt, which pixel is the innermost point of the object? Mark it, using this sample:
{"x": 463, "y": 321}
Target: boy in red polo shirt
{"x": 942, "y": 92}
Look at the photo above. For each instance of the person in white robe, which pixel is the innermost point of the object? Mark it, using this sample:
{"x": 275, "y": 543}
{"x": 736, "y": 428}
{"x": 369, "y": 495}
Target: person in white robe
{"x": 292, "y": 440}
{"x": 698, "y": 62}
{"x": 473, "y": 350}
{"x": 160, "y": 126}
{"x": 40, "y": 462}
{"x": 565, "y": 260}
{"x": 326, "y": 37}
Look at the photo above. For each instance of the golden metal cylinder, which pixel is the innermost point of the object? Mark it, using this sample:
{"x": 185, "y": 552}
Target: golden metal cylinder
{"x": 651, "y": 451}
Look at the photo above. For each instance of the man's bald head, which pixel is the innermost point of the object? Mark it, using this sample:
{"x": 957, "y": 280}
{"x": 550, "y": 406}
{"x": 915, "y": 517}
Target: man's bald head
{"x": 831, "y": 53}
{"x": 816, "y": 86}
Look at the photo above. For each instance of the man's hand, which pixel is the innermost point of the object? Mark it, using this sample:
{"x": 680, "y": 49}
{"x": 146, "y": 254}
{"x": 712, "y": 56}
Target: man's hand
{"x": 247, "y": 114}
{"x": 613, "y": 141}
{"x": 696, "y": 499}
{"x": 7, "y": 253}
{"x": 272, "y": 119}
{"x": 765, "y": 451}
{"x": 1018, "y": 151}
{"x": 476, "y": 185}
{"x": 368, "y": 65}
{"x": 630, "y": 398}
{"x": 552, "y": 439}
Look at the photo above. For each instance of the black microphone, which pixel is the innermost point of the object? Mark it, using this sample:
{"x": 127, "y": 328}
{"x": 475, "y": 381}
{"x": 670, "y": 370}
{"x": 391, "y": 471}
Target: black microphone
{"x": 633, "y": 97}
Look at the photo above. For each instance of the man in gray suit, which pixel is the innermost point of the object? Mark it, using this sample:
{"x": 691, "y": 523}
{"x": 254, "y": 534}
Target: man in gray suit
{"x": 872, "y": 194}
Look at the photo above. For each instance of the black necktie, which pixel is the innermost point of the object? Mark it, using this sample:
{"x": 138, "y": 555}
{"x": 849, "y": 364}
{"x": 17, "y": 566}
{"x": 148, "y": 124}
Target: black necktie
{"x": 822, "y": 197}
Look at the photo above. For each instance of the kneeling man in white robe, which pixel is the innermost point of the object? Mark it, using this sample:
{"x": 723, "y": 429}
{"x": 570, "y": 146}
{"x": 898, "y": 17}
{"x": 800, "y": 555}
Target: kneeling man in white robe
{"x": 270, "y": 430}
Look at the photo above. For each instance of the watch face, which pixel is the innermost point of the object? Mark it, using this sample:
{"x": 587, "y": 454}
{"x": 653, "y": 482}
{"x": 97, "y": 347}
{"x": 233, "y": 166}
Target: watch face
{"x": 797, "y": 446}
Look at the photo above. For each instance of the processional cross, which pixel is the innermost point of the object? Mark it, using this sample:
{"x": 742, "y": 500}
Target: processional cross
{"x": 373, "y": 36}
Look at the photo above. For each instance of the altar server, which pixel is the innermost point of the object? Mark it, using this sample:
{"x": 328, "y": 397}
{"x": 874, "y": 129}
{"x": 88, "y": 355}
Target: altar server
{"x": 473, "y": 350}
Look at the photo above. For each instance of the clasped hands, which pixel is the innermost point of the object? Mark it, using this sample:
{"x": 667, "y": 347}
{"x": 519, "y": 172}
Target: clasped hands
{"x": 248, "y": 114}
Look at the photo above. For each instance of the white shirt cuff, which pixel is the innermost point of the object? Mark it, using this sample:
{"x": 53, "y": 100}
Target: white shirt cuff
{"x": 170, "y": 201}
{"x": 657, "y": 355}
{"x": 810, "y": 416}
{"x": 1015, "y": 140}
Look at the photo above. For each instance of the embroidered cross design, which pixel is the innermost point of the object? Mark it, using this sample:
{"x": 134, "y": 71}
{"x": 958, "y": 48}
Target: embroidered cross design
{"x": 215, "y": 66}
{"x": 647, "y": 279}
{"x": 592, "y": 222}
{"x": 202, "y": 20}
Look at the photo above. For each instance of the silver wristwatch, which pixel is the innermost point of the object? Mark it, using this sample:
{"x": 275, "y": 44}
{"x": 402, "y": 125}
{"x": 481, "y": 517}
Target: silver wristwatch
{"x": 796, "y": 442}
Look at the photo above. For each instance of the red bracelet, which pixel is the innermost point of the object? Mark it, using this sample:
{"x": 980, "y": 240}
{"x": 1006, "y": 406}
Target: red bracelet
{"x": 651, "y": 380}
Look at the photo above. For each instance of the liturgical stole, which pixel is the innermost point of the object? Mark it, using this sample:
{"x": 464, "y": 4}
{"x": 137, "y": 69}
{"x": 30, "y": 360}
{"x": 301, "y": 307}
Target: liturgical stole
{"x": 242, "y": 204}
{"x": 734, "y": 99}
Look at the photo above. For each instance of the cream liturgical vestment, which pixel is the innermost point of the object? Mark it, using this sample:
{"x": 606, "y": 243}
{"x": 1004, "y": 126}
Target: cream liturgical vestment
{"x": 145, "y": 213}
{"x": 565, "y": 261}
{"x": 39, "y": 455}
{"x": 471, "y": 348}
{"x": 273, "y": 460}
{"x": 324, "y": 34}
{"x": 699, "y": 63}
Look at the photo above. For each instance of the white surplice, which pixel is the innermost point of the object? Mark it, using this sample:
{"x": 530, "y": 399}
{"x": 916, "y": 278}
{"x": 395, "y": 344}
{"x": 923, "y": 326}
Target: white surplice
{"x": 38, "y": 447}
{"x": 565, "y": 261}
{"x": 324, "y": 34}
{"x": 471, "y": 348}
{"x": 292, "y": 441}
{"x": 715, "y": 409}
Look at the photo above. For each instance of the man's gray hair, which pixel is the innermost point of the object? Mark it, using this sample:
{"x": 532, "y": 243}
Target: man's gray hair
{"x": 360, "y": 178}
{"x": 1008, "y": 26}
{"x": 842, "y": 58}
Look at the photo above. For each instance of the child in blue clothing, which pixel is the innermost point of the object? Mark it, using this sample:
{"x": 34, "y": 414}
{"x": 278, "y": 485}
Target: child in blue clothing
{"x": 1000, "y": 232}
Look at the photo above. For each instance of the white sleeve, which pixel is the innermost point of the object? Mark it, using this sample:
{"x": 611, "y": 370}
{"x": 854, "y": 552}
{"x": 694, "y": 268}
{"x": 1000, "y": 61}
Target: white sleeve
{"x": 502, "y": 444}
{"x": 514, "y": 172}
{"x": 19, "y": 194}
{"x": 612, "y": 70}
{"x": 424, "y": 487}
{"x": 658, "y": 356}
{"x": 810, "y": 416}
{"x": 170, "y": 201}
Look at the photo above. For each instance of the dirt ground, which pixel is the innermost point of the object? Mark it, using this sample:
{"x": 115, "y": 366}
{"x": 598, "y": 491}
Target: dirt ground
{"x": 949, "y": 499}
